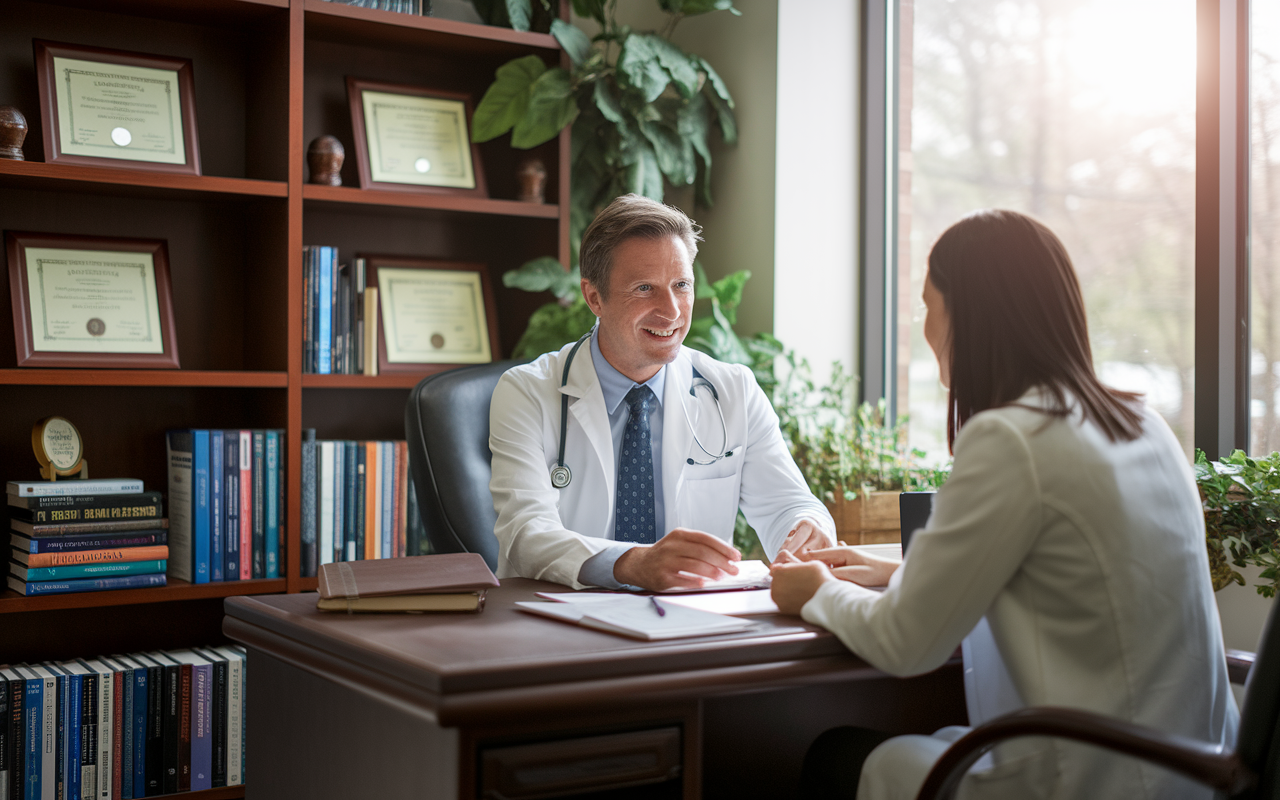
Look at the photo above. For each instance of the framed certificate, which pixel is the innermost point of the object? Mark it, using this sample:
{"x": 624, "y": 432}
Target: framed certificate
{"x": 115, "y": 108}
{"x": 88, "y": 301}
{"x": 413, "y": 139}
{"x": 433, "y": 312}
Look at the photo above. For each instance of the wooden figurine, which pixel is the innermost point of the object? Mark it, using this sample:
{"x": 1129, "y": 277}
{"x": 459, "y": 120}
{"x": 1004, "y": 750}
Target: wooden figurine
{"x": 324, "y": 159}
{"x": 533, "y": 181}
{"x": 13, "y": 129}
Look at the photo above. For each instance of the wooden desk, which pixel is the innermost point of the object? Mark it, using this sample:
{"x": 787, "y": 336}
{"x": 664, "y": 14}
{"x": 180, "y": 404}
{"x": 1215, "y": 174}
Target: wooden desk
{"x": 366, "y": 706}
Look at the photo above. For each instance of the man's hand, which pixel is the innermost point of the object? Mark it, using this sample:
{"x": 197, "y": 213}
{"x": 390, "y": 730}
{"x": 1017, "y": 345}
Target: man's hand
{"x": 806, "y": 535}
{"x": 795, "y": 582}
{"x": 683, "y": 559}
{"x": 855, "y": 566}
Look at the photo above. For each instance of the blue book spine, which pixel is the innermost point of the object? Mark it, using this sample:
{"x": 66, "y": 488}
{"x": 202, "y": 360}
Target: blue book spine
{"x": 273, "y": 504}
{"x": 126, "y": 746}
{"x": 140, "y": 695}
{"x": 324, "y": 332}
{"x": 231, "y": 494}
{"x": 36, "y": 588}
{"x": 34, "y": 709}
{"x": 200, "y": 506}
{"x": 101, "y": 541}
{"x": 217, "y": 551}
{"x": 387, "y": 478}
{"x": 107, "y": 570}
{"x": 75, "y": 718}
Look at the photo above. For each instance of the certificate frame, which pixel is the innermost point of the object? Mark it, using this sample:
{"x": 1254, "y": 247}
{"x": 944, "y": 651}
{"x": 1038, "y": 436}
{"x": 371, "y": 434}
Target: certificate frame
{"x": 49, "y": 88}
{"x": 356, "y": 87}
{"x": 374, "y": 264}
{"x": 17, "y": 245}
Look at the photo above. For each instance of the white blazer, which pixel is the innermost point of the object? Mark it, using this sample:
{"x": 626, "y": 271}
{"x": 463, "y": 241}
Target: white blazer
{"x": 547, "y": 533}
{"x": 1087, "y": 559}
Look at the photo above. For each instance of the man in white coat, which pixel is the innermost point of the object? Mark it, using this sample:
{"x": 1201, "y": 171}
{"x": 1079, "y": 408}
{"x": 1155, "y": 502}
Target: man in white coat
{"x": 625, "y": 465}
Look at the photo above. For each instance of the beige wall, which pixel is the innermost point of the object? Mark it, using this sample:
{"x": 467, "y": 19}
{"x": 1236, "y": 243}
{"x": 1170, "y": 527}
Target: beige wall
{"x": 739, "y": 230}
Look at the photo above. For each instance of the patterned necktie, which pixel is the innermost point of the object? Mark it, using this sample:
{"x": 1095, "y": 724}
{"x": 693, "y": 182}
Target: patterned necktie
{"x": 633, "y": 513}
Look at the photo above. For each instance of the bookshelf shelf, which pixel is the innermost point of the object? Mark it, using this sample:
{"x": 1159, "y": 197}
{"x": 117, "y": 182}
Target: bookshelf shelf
{"x": 322, "y": 195}
{"x": 71, "y": 178}
{"x": 189, "y": 378}
{"x": 12, "y": 602}
{"x": 338, "y": 22}
{"x": 393, "y": 381}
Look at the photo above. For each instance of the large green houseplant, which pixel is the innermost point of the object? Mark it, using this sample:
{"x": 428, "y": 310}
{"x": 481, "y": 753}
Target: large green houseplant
{"x": 1241, "y": 498}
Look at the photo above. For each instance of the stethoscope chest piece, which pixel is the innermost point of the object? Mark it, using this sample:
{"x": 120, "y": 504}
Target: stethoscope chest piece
{"x": 560, "y": 476}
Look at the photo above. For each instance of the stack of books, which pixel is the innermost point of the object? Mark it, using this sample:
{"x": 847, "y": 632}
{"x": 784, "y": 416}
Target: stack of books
{"x": 226, "y": 504}
{"x": 339, "y": 315}
{"x": 85, "y": 536}
{"x": 125, "y": 726}
{"x": 358, "y": 502}
{"x": 403, "y": 6}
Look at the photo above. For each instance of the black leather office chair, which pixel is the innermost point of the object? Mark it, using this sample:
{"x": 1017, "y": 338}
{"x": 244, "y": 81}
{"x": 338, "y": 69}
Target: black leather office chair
{"x": 446, "y": 422}
{"x": 1247, "y": 773}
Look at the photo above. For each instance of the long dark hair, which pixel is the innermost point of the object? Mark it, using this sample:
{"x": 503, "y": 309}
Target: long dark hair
{"x": 1018, "y": 321}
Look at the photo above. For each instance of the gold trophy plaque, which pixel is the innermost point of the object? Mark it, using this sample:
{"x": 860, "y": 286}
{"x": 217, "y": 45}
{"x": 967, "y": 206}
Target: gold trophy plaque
{"x": 59, "y": 449}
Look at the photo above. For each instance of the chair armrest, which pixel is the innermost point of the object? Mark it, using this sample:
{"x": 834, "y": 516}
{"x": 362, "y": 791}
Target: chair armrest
{"x": 1197, "y": 760}
{"x": 1239, "y": 662}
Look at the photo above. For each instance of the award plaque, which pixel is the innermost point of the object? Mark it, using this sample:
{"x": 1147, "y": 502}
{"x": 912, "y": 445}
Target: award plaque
{"x": 58, "y": 448}
{"x": 432, "y": 312}
{"x": 413, "y": 139}
{"x": 83, "y": 301}
{"x": 115, "y": 108}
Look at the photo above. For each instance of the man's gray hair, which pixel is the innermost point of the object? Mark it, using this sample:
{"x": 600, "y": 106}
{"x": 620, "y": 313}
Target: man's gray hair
{"x": 631, "y": 216}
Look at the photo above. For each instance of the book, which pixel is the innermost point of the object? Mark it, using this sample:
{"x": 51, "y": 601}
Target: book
{"x": 47, "y": 744}
{"x": 171, "y": 711}
{"x": 153, "y": 747}
{"x": 105, "y": 541}
{"x": 361, "y": 505}
{"x": 123, "y": 765}
{"x": 106, "y": 555}
{"x": 357, "y": 316}
{"x": 75, "y": 487}
{"x": 74, "y": 571}
{"x": 373, "y": 504}
{"x": 64, "y": 734}
{"x": 309, "y": 508}
{"x": 258, "y": 473}
{"x": 386, "y": 502}
{"x": 647, "y": 618}
{"x": 73, "y": 749}
{"x": 231, "y": 493}
{"x": 444, "y": 580}
{"x": 339, "y": 501}
{"x": 37, "y": 588}
{"x": 217, "y": 715}
{"x": 246, "y": 505}
{"x": 138, "y": 727}
{"x": 401, "y": 501}
{"x": 89, "y": 687}
{"x": 198, "y": 676}
{"x": 325, "y": 312}
{"x": 274, "y": 505}
{"x": 4, "y": 733}
{"x": 43, "y": 531}
{"x": 347, "y": 548}
{"x": 15, "y": 747}
{"x": 105, "y": 726}
{"x": 87, "y": 508}
{"x": 200, "y": 507}
{"x": 325, "y": 480}
{"x": 32, "y": 713}
{"x": 236, "y": 673}
{"x": 217, "y": 508}
{"x": 371, "y": 330}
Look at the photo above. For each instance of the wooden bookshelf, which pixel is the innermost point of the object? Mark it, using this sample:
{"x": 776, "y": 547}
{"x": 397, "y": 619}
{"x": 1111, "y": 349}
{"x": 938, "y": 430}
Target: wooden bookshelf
{"x": 269, "y": 78}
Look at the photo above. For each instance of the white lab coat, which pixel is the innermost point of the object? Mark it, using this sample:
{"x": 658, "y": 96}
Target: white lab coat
{"x": 1087, "y": 559}
{"x": 547, "y": 533}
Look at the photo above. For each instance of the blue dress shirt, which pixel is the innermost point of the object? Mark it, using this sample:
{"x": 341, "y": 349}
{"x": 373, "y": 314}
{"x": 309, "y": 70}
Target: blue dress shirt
{"x": 598, "y": 570}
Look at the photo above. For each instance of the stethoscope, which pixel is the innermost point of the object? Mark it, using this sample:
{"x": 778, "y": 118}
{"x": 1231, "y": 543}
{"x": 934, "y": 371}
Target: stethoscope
{"x": 561, "y": 475}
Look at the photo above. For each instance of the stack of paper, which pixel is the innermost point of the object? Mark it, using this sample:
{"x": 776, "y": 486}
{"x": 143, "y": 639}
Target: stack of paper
{"x": 638, "y": 617}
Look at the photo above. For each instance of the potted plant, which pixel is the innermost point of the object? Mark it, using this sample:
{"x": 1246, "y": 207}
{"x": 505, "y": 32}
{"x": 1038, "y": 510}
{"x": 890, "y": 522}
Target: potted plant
{"x": 853, "y": 457}
{"x": 1241, "y": 498}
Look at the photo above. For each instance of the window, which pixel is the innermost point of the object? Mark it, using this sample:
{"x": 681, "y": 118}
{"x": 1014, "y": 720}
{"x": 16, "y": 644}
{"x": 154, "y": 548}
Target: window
{"x": 1083, "y": 113}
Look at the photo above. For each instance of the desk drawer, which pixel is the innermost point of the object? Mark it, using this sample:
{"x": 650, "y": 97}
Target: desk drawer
{"x": 570, "y": 766}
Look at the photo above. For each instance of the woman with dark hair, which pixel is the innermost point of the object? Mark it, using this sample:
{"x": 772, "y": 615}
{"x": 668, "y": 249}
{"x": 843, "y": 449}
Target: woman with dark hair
{"x": 1066, "y": 549}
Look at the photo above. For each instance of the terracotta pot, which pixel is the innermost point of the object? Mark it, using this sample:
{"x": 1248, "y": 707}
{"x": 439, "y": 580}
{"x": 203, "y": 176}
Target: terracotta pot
{"x": 872, "y": 518}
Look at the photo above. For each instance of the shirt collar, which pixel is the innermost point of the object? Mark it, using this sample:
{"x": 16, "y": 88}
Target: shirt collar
{"x": 614, "y": 384}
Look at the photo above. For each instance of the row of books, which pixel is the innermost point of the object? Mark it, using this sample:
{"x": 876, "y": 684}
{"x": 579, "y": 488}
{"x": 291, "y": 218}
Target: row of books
{"x": 226, "y": 504}
{"x": 85, "y": 536}
{"x": 339, "y": 316}
{"x": 358, "y": 502}
{"x": 403, "y": 6}
{"x": 123, "y": 727}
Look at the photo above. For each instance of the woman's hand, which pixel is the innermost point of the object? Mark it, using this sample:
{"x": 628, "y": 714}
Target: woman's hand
{"x": 855, "y": 566}
{"x": 795, "y": 581}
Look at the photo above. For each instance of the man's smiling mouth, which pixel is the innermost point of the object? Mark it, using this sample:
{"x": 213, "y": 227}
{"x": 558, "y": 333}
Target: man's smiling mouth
{"x": 660, "y": 334}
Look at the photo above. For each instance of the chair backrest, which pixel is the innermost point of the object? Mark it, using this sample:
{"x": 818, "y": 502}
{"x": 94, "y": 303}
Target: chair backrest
{"x": 446, "y": 423}
{"x": 1258, "y": 743}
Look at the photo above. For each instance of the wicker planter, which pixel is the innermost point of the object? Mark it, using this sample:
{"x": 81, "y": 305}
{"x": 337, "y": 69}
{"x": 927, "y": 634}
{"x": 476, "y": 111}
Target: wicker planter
{"x": 873, "y": 518}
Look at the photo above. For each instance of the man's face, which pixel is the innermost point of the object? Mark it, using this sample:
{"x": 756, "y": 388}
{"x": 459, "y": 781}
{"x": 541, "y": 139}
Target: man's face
{"x": 645, "y": 319}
